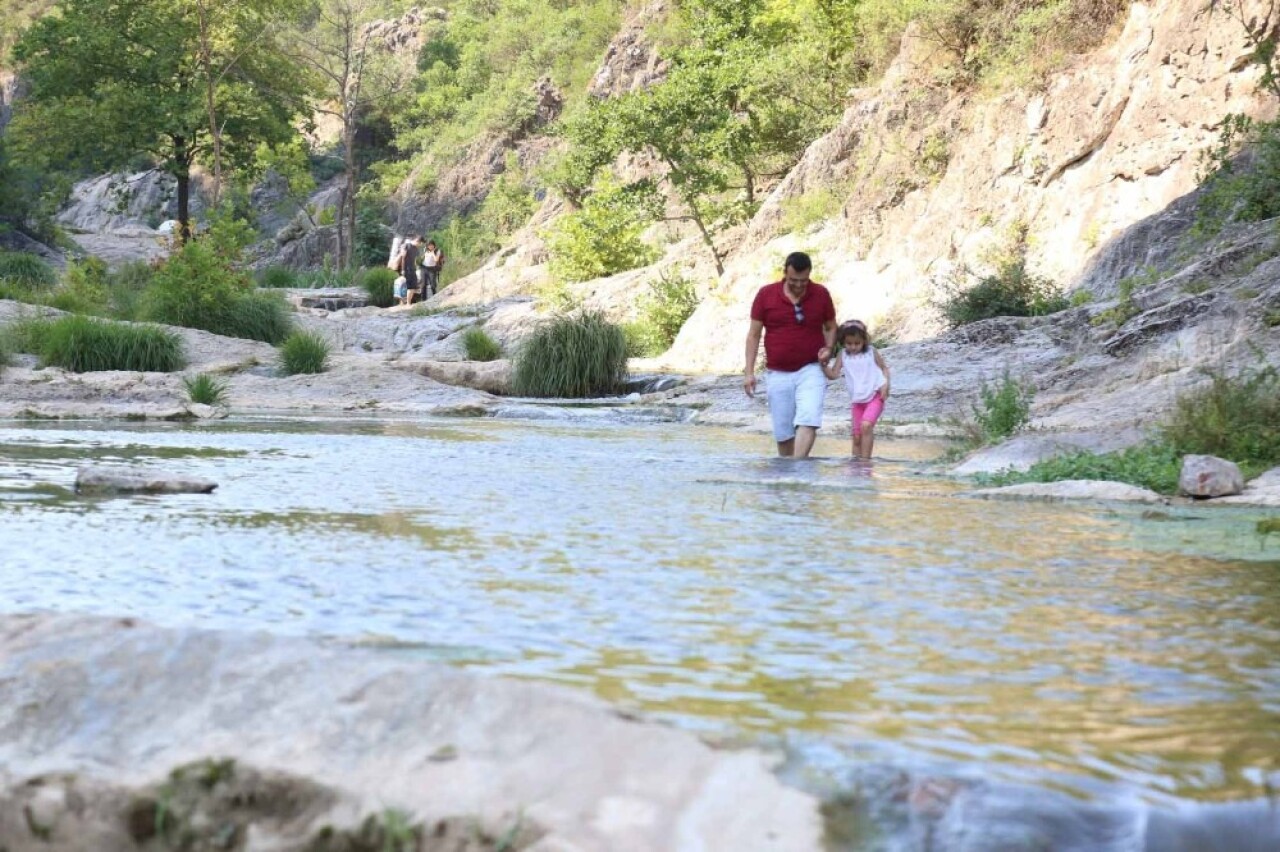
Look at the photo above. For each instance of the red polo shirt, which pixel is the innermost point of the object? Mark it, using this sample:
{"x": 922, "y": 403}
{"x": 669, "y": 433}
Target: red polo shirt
{"x": 788, "y": 344}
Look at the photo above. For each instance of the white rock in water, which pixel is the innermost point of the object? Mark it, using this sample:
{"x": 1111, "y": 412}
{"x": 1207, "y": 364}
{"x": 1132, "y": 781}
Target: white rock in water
{"x": 1209, "y": 476}
{"x": 1072, "y": 489}
{"x": 99, "y": 480}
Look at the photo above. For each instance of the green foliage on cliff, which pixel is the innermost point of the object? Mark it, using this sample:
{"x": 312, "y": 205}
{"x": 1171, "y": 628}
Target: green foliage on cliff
{"x": 603, "y": 237}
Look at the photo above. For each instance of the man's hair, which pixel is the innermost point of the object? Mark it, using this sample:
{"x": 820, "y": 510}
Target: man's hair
{"x": 799, "y": 261}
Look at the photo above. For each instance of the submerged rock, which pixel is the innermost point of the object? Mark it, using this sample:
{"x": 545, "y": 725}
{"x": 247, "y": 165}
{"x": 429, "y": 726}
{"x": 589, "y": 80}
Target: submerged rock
{"x": 1072, "y": 489}
{"x": 335, "y": 735}
{"x": 1209, "y": 476}
{"x": 98, "y": 480}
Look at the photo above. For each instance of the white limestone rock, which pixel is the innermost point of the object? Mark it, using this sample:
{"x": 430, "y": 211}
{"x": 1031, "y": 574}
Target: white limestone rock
{"x": 1209, "y": 476}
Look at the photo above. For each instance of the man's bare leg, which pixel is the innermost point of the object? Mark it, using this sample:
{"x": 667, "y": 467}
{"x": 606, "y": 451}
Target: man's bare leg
{"x": 805, "y": 436}
{"x": 787, "y": 448}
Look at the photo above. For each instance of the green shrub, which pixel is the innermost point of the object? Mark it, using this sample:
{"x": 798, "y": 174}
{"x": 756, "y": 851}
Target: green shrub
{"x": 480, "y": 346}
{"x": 379, "y": 283}
{"x": 1236, "y": 189}
{"x": 568, "y": 357}
{"x": 602, "y": 238}
{"x": 26, "y": 270}
{"x": 1002, "y": 409}
{"x": 670, "y": 302}
{"x": 1011, "y": 291}
{"x": 1153, "y": 465}
{"x": 643, "y": 340}
{"x": 197, "y": 288}
{"x": 205, "y": 389}
{"x": 277, "y": 278}
{"x": 304, "y": 352}
{"x": 86, "y": 289}
{"x": 127, "y": 286}
{"x": 83, "y": 345}
{"x": 1232, "y": 417}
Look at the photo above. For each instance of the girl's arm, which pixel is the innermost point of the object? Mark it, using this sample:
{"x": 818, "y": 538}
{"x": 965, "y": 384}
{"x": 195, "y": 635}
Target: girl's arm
{"x": 884, "y": 368}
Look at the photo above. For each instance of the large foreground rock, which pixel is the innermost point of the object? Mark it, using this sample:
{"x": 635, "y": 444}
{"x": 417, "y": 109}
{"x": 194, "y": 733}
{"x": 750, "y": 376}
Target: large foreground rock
{"x": 96, "y": 713}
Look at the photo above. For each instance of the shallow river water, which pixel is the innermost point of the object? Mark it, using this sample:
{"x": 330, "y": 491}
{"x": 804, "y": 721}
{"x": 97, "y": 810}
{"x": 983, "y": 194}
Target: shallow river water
{"x": 1038, "y": 676}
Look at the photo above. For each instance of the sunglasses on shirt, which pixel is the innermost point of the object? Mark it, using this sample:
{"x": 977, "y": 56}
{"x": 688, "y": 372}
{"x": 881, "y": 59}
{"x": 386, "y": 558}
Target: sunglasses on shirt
{"x": 799, "y": 312}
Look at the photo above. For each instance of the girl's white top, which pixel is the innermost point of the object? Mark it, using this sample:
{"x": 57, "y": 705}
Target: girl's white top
{"x": 862, "y": 375}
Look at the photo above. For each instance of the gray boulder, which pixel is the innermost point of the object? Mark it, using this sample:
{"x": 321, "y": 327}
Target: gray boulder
{"x": 1209, "y": 476}
{"x": 100, "y": 480}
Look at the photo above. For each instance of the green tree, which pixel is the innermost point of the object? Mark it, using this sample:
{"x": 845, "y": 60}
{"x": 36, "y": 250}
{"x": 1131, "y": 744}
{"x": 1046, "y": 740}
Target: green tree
{"x": 112, "y": 80}
{"x": 353, "y": 71}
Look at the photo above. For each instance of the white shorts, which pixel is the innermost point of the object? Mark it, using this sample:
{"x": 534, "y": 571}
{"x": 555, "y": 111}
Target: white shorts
{"x": 795, "y": 399}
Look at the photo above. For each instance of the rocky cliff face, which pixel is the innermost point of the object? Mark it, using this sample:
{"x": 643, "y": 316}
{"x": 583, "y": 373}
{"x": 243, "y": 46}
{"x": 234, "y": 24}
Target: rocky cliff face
{"x": 932, "y": 181}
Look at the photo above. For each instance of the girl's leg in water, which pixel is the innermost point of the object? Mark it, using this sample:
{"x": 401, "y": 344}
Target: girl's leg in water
{"x": 868, "y": 440}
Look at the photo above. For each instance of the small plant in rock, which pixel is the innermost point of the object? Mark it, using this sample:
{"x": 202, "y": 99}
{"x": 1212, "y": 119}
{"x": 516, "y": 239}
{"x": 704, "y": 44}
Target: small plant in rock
{"x": 205, "y": 389}
{"x": 304, "y": 352}
{"x": 479, "y": 345}
{"x": 578, "y": 356}
{"x": 379, "y": 283}
{"x": 1002, "y": 409}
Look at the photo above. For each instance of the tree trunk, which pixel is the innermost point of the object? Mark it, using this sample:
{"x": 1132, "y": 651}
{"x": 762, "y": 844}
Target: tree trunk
{"x": 182, "y": 173}
{"x": 347, "y": 208}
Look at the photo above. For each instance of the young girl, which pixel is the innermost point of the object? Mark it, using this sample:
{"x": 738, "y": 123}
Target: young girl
{"x": 867, "y": 377}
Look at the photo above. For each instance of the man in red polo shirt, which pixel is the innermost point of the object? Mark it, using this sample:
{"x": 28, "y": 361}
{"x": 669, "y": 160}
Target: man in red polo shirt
{"x": 798, "y": 321}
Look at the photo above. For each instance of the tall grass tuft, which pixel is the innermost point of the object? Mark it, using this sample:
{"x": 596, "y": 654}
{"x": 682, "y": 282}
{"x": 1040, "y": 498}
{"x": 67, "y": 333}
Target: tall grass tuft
{"x": 256, "y": 315}
{"x": 277, "y": 277}
{"x": 480, "y": 346}
{"x": 1233, "y": 417}
{"x": 84, "y": 345}
{"x": 205, "y": 389}
{"x": 26, "y": 270}
{"x": 304, "y": 352}
{"x": 379, "y": 283}
{"x": 572, "y": 356}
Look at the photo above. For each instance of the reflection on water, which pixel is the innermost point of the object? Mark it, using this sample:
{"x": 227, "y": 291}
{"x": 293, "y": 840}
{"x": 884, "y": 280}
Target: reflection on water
{"x": 683, "y": 572}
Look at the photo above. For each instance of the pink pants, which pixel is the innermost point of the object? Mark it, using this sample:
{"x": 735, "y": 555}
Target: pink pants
{"x": 866, "y": 412}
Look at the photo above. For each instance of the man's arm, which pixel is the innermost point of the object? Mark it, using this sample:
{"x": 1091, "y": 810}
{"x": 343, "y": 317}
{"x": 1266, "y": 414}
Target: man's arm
{"x": 829, "y": 338}
{"x": 753, "y": 349}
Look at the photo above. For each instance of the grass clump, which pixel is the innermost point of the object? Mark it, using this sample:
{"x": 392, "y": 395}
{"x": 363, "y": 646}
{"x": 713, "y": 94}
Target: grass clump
{"x": 84, "y": 345}
{"x": 479, "y": 345}
{"x": 205, "y": 389}
{"x": 379, "y": 283}
{"x": 304, "y": 352}
{"x": 572, "y": 356}
{"x": 26, "y": 270}
{"x": 277, "y": 278}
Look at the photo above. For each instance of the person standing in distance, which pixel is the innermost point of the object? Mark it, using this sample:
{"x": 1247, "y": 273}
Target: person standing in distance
{"x": 798, "y": 321}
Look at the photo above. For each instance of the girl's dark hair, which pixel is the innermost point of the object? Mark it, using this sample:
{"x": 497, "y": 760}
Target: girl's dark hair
{"x": 857, "y": 328}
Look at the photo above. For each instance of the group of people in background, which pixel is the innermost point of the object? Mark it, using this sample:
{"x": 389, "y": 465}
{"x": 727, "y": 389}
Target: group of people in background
{"x": 419, "y": 269}
{"x": 803, "y": 349}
